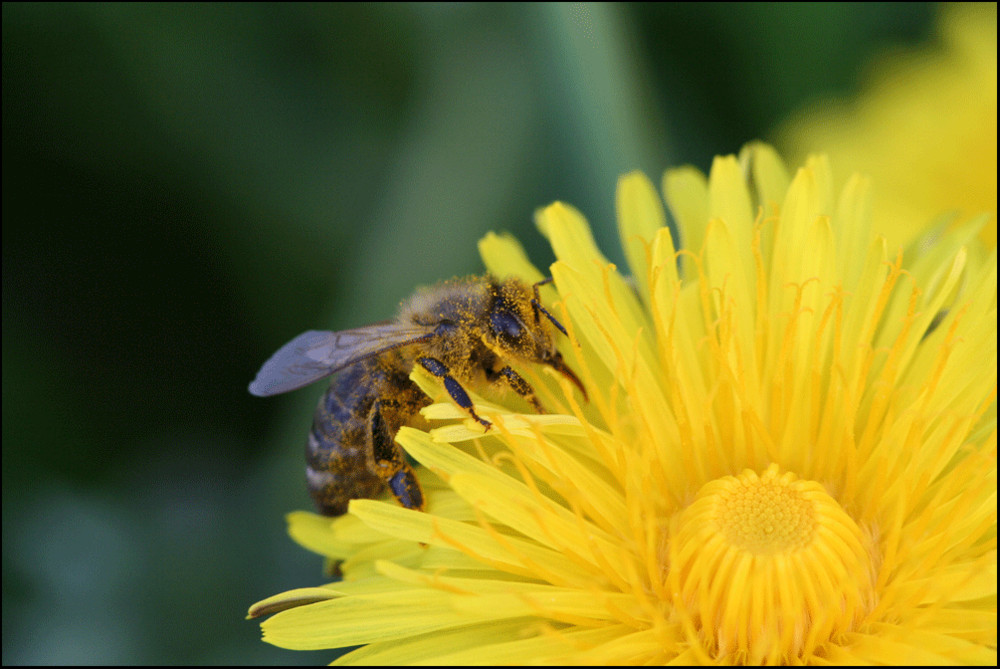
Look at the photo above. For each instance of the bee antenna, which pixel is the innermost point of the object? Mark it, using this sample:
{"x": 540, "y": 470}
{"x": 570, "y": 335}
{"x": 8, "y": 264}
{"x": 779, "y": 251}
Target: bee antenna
{"x": 537, "y": 305}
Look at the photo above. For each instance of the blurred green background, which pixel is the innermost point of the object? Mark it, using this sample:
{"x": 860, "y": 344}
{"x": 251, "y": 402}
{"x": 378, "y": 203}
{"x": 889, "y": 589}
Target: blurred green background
{"x": 186, "y": 187}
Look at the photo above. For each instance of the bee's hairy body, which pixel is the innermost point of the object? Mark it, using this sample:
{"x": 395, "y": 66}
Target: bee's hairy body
{"x": 344, "y": 448}
{"x": 464, "y": 331}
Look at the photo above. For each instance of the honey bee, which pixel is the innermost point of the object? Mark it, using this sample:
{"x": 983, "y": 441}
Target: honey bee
{"x": 463, "y": 331}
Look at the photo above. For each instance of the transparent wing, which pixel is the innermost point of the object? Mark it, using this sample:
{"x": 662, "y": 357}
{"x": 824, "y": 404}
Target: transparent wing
{"x": 318, "y": 353}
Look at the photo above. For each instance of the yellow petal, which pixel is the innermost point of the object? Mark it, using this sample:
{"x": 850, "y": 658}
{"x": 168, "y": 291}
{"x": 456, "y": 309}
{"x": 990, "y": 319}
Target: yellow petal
{"x": 504, "y": 256}
{"x": 291, "y": 599}
{"x": 640, "y": 217}
{"x": 686, "y": 192}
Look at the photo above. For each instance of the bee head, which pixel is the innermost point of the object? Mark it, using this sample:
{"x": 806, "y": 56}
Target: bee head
{"x": 510, "y": 331}
{"x": 521, "y": 327}
{"x": 519, "y": 324}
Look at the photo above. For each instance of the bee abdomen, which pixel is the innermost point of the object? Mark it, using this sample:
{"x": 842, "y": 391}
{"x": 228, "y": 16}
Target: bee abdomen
{"x": 337, "y": 467}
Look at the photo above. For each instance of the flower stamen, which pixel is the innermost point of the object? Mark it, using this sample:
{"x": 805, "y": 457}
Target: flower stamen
{"x": 742, "y": 538}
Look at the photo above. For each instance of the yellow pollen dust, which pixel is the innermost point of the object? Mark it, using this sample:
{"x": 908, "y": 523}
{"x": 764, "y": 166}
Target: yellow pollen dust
{"x": 769, "y": 567}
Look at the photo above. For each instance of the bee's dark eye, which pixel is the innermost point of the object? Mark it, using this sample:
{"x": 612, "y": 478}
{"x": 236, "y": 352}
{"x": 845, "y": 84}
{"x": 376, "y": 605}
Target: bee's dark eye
{"x": 506, "y": 325}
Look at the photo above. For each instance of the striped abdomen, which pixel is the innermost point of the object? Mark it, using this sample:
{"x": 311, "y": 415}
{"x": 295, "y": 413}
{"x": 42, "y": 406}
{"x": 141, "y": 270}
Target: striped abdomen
{"x": 339, "y": 465}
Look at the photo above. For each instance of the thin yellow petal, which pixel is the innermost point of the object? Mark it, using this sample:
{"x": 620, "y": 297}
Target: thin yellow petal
{"x": 767, "y": 174}
{"x": 515, "y": 555}
{"x": 729, "y": 198}
{"x": 291, "y": 599}
{"x": 573, "y": 245}
{"x": 686, "y": 192}
{"x": 851, "y": 228}
{"x": 348, "y": 621}
{"x": 432, "y": 648}
{"x": 640, "y": 217}
{"x": 313, "y": 532}
{"x": 504, "y": 256}
{"x": 550, "y": 646}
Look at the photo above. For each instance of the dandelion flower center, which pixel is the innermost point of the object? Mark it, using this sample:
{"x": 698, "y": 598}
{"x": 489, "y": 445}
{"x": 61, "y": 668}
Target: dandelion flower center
{"x": 764, "y": 516}
{"x": 769, "y": 566}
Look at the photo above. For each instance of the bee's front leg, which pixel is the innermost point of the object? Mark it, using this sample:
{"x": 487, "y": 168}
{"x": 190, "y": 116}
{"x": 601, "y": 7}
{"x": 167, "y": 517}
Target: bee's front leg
{"x": 390, "y": 461}
{"x": 454, "y": 388}
{"x": 518, "y": 385}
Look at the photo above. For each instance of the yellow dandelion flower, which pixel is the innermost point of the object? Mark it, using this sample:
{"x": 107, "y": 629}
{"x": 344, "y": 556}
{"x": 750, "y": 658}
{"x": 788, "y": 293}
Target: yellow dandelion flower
{"x": 788, "y": 454}
{"x": 924, "y": 129}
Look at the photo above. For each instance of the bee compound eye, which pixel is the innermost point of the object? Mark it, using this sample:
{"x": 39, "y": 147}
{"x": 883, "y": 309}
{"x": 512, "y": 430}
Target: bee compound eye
{"x": 506, "y": 325}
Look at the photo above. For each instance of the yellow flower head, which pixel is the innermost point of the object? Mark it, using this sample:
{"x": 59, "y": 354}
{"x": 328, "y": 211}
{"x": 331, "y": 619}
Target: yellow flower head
{"x": 788, "y": 454}
{"x": 924, "y": 129}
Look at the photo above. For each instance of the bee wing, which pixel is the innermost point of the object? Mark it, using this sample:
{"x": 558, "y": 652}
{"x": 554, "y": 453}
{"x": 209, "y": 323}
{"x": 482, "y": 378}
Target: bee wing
{"x": 316, "y": 354}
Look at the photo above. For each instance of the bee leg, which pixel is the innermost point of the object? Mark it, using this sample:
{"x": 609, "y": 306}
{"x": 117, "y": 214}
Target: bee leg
{"x": 457, "y": 392}
{"x": 520, "y": 386}
{"x": 390, "y": 462}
